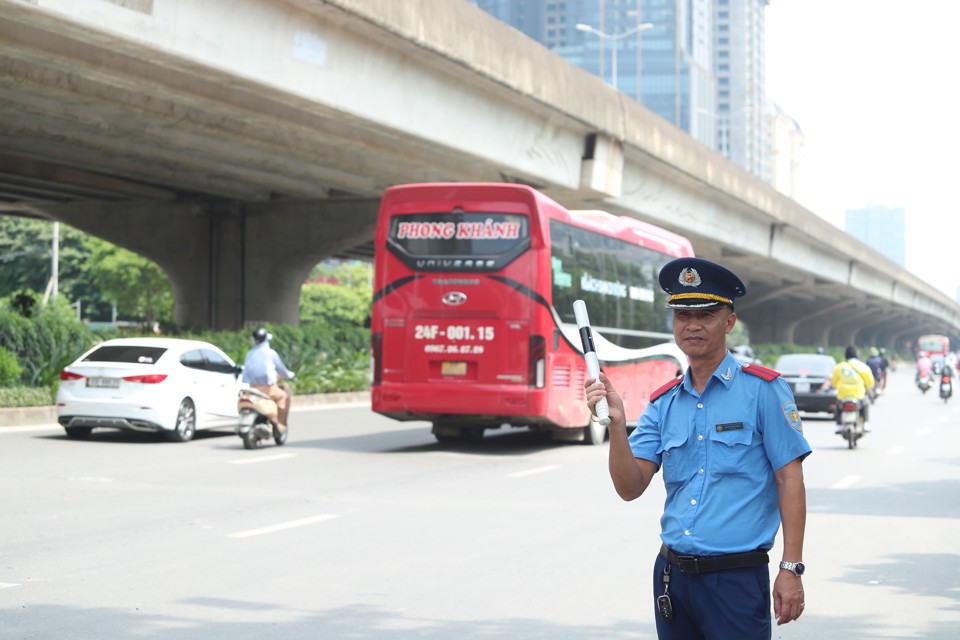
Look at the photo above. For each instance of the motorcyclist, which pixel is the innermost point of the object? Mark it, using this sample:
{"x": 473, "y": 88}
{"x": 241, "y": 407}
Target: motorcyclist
{"x": 924, "y": 365}
{"x": 852, "y": 378}
{"x": 263, "y": 369}
{"x": 878, "y": 366}
{"x": 887, "y": 366}
{"x": 950, "y": 360}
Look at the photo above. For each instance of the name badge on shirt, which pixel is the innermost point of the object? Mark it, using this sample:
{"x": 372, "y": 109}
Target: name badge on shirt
{"x": 730, "y": 426}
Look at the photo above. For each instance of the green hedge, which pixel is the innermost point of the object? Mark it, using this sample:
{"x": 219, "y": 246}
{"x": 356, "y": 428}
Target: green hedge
{"x": 329, "y": 351}
{"x": 43, "y": 345}
{"x": 26, "y": 396}
{"x": 327, "y": 357}
{"x": 331, "y": 355}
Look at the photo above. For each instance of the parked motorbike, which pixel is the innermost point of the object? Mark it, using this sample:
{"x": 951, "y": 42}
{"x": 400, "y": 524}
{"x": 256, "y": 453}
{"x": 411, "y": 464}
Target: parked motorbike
{"x": 946, "y": 383}
{"x": 923, "y": 381}
{"x": 258, "y": 418}
{"x": 851, "y": 422}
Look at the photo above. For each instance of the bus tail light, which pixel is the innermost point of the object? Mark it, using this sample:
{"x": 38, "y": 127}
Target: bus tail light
{"x": 538, "y": 363}
{"x": 376, "y": 351}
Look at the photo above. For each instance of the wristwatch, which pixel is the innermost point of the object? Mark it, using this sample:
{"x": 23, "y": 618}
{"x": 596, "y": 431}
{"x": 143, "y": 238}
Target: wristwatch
{"x": 796, "y": 568}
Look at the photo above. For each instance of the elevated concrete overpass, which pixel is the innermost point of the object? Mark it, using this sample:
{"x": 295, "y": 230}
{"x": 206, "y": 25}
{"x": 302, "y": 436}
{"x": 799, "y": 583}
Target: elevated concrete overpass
{"x": 236, "y": 148}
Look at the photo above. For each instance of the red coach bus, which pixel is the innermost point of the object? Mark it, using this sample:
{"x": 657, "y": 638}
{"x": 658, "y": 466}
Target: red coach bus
{"x": 472, "y": 323}
{"x": 936, "y": 346}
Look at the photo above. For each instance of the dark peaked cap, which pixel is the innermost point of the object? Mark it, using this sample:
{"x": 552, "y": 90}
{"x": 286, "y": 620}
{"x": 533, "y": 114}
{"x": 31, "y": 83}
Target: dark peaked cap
{"x": 694, "y": 283}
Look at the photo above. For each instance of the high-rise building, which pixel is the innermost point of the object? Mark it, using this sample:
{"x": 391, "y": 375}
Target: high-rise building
{"x": 882, "y": 228}
{"x": 740, "y": 52}
{"x": 784, "y": 151}
{"x": 696, "y": 63}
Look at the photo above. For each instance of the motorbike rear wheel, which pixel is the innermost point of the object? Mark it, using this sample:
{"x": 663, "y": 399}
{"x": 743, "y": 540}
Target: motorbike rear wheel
{"x": 251, "y": 440}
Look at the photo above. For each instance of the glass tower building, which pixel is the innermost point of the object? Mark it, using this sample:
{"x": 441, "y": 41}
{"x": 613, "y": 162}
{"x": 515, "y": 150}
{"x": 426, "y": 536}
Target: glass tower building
{"x": 696, "y": 63}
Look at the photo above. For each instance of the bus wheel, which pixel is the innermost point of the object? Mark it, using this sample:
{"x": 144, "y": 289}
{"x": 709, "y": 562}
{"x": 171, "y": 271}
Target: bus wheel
{"x": 471, "y": 434}
{"x": 594, "y": 433}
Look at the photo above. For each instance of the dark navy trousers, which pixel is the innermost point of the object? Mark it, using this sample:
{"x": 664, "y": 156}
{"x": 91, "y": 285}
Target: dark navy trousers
{"x": 721, "y": 605}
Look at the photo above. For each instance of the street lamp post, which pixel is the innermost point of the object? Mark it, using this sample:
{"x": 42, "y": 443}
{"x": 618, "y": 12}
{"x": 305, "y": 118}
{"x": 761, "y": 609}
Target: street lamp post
{"x": 616, "y": 37}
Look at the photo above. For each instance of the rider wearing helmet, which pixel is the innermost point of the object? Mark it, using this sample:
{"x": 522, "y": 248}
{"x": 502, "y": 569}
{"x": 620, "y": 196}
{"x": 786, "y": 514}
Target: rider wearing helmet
{"x": 878, "y": 366}
{"x": 924, "y": 364}
{"x": 852, "y": 378}
{"x": 263, "y": 369}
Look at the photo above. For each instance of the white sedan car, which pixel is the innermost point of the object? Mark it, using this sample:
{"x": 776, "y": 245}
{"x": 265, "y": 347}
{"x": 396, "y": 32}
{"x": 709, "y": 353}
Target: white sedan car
{"x": 149, "y": 384}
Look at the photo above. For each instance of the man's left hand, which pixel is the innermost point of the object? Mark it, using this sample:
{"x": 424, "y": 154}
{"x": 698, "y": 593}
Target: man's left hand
{"x": 787, "y": 597}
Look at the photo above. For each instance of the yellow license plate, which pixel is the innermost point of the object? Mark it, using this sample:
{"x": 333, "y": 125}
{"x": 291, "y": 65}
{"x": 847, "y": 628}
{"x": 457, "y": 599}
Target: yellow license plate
{"x": 453, "y": 368}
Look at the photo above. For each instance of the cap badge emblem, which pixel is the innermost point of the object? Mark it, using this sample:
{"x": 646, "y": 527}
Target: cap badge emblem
{"x": 689, "y": 277}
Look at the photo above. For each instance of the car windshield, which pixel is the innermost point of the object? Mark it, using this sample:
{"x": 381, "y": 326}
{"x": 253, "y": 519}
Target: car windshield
{"x": 808, "y": 364}
{"x": 126, "y": 353}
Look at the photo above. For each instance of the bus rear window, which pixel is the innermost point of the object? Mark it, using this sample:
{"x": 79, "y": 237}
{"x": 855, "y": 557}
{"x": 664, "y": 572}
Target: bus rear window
{"x": 458, "y": 241}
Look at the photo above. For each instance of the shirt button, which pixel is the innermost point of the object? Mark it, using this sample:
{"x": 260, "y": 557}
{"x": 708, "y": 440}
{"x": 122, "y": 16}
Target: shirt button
{"x": 694, "y": 501}
{"x": 700, "y": 437}
{"x": 687, "y": 532}
{"x": 699, "y": 405}
{"x": 700, "y": 472}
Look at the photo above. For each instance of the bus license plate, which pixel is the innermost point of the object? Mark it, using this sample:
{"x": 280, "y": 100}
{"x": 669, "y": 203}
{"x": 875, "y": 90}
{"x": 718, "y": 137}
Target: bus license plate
{"x": 104, "y": 383}
{"x": 453, "y": 368}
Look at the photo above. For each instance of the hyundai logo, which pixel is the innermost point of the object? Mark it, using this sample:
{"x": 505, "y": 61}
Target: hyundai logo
{"x": 454, "y": 298}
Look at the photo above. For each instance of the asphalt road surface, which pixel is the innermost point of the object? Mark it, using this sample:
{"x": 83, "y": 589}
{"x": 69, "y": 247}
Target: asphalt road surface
{"x": 362, "y": 527}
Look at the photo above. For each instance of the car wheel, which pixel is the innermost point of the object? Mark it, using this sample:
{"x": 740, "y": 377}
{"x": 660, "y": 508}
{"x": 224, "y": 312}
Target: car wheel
{"x": 78, "y": 432}
{"x": 186, "y": 425}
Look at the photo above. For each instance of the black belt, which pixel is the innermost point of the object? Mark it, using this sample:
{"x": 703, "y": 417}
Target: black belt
{"x": 707, "y": 564}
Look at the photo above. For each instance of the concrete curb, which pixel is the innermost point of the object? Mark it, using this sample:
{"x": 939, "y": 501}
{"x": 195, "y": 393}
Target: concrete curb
{"x": 25, "y": 416}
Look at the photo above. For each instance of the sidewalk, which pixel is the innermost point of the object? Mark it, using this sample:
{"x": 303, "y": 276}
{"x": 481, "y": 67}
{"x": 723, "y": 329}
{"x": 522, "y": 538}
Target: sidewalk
{"x": 27, "y": 416}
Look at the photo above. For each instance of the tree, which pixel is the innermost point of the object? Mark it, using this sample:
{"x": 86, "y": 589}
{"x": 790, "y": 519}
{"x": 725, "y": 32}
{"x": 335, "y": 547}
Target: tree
{"x": 138, "y": 286}
{"x": 347, "y": 301}
{"x": 25, "y": 256}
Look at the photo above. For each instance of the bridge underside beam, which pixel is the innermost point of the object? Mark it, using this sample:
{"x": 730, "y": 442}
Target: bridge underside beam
{"x": 229, "y": 263}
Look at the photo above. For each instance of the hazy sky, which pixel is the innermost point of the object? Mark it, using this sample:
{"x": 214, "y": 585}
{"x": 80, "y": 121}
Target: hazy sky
{"x": 873, "y": 85}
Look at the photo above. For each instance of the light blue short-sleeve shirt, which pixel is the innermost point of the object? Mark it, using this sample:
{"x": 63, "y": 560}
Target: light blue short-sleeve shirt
{"x": 718, "y": 451}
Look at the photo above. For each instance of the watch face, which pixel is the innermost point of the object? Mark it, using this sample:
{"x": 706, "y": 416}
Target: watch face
{"x": 799, "y": 569}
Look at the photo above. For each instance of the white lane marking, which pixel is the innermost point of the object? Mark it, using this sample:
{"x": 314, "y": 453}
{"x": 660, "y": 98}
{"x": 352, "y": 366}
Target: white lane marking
{"x": 846, "y": 482}
{"x": 279, "y": 456}
{"x": 894, "y": 451}
{"x": 30, "y": 429}
{"x": 7, "y": 585}
{"x": 284, "y": 525}
{"x": 530, "y": 472}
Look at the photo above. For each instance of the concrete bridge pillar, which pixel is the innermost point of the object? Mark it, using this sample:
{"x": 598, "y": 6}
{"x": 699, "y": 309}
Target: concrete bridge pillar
{"x": 230, "y": 264}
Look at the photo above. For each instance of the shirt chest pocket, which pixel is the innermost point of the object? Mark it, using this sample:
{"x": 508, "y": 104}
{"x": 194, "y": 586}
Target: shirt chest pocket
{"x": 729, "y": 451}
{"x": 672, "y": 459}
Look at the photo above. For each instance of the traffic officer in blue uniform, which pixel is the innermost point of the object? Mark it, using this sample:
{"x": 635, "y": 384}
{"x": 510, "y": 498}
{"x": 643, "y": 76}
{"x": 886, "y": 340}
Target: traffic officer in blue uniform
{"x": 729, "y": 440}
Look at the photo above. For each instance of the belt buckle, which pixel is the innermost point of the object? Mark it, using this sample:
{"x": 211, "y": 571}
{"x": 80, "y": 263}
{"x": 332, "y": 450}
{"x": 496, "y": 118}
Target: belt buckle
{"x": 688, "y": 564}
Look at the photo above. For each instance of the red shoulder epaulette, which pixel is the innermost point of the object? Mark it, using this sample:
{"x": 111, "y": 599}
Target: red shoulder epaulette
{"x": 662, "y": 390}
{"x": 761, "y": 372}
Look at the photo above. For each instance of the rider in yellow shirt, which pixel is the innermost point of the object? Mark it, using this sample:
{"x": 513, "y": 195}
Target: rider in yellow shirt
{"x": 852, "y": 378}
